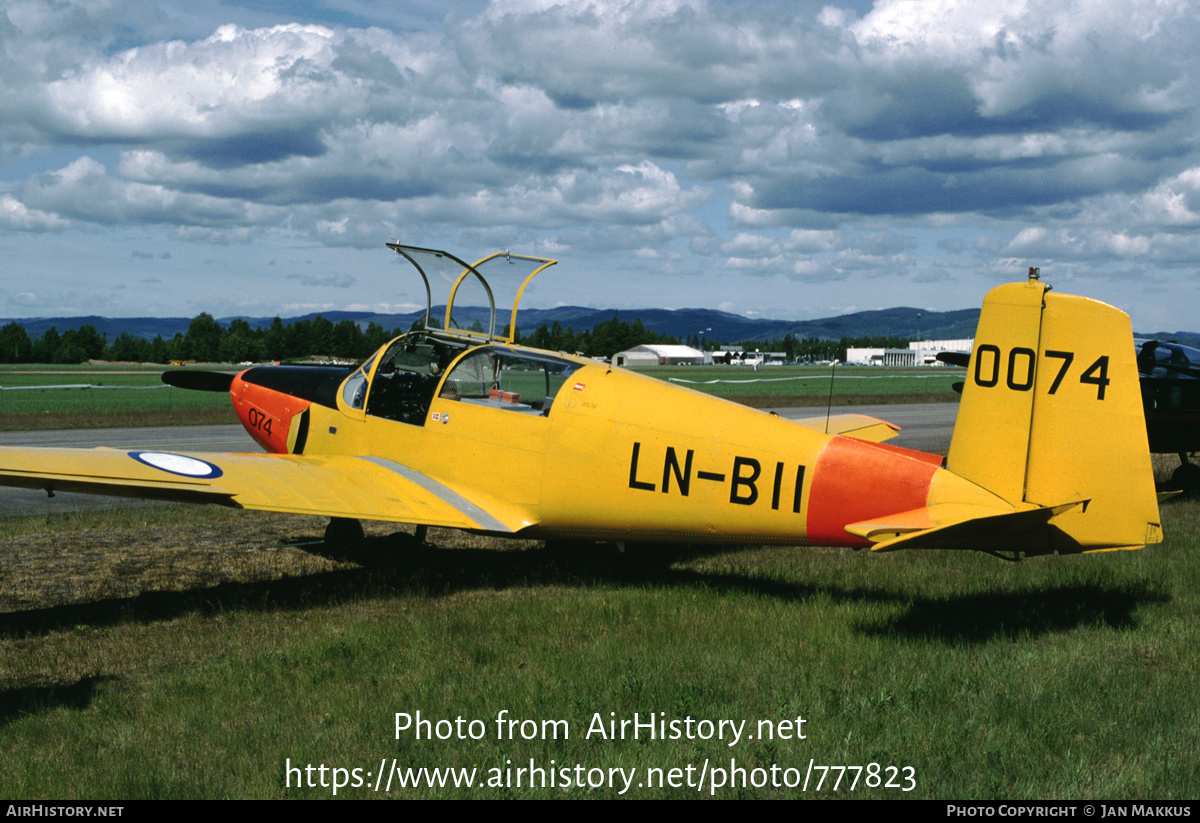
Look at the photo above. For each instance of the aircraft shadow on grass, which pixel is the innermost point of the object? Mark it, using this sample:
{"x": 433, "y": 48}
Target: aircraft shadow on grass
{"x": 979, "y": 618}
{"x": 433, "y": 572}
{"x": 29, "y": 700}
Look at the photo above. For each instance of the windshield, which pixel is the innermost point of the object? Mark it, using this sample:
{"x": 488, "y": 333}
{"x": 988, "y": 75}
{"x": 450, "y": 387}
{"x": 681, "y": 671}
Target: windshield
{"x": 355, "y": 390}
{"x": 406, "y": 378}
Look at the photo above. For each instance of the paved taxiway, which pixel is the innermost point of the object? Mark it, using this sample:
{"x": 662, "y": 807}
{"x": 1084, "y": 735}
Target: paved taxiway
{"x": 925, "y": 426}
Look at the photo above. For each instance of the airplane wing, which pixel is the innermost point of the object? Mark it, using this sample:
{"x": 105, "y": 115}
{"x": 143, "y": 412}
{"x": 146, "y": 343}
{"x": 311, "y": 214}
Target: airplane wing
{"x": 370, "y": 488}
{"x": 852, "y": 425}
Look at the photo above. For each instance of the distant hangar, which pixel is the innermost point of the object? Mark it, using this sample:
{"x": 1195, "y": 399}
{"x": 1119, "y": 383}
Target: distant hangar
{"x": 660, "y": 355}
{"x": 918, "y": 353}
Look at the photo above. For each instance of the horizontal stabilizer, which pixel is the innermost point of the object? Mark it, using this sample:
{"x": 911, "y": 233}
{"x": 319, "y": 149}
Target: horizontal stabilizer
{"x": 217, "y": 381}
{"x": 954, "y": 358}
{"x": 964, "y": 526}
{"x": 853, "y": 425}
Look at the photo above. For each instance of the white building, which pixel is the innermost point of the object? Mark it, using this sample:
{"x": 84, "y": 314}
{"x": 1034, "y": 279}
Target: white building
{"x": 655, "y": 355}
{"x": 918, "y": 353}
{"x": 736, "y": 356}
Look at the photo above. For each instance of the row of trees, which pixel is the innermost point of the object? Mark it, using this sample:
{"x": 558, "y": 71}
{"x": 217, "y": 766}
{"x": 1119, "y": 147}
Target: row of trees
{"x": 602, "y": 340}
{"x": 74, "y": 346}
{"x": 207, "y": 340}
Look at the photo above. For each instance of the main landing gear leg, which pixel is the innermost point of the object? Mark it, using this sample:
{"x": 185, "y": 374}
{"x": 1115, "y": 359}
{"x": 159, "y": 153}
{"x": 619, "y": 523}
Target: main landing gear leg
{"x": 1187, "y": 476}
{"x": 344, "y": 532}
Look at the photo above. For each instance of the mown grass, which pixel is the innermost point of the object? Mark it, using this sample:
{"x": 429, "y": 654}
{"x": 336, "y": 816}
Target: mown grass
{"x": 196, "y": 652}
{"x": 136, "y": 396}
{"x": 780, "y": 386}
{"x": 102, "y": 398}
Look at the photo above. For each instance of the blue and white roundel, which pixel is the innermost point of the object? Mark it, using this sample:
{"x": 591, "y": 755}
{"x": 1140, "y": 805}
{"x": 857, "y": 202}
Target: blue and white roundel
{"x": 178, "y": 464}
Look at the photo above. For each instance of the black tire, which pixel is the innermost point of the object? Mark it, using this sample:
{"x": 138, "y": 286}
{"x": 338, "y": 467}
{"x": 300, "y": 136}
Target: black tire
{"x": 343, "y": 532}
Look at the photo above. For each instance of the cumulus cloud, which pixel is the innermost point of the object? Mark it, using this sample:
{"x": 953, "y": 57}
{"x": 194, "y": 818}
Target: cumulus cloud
{"x": 16, "y": 215}
{"x": 84, "y": 191}
{"x": 295, "y": 114}
{"x": 275, "y": 82}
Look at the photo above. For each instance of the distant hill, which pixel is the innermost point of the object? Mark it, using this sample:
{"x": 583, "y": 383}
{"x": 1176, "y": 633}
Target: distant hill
{"x": 717, "y": 326}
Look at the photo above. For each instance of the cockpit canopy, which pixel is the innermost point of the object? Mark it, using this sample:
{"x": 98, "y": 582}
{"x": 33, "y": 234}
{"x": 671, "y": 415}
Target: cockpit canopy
{"x": 475, "y": 364}
{"x": 470, "y": 290}
{"x": 401, "y": 382}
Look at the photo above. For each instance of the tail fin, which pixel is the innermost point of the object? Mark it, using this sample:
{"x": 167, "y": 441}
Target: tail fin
{"x": 1051, "y": 415}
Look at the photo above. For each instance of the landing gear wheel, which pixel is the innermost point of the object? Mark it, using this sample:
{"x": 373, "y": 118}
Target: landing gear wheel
{"x": 1187, "y": 476}
{"x": 343, "y": 532}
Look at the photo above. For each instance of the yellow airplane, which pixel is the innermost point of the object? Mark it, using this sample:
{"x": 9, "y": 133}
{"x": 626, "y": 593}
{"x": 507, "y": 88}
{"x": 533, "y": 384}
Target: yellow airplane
{"x": 465, "y": 429}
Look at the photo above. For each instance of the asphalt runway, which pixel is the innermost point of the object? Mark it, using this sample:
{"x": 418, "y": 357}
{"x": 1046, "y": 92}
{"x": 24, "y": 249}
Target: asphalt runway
{"x": 924, "y": 426}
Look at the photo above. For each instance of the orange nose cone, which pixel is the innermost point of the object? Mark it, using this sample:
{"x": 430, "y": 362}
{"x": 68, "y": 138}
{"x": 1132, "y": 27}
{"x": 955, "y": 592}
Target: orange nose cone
{"x": 266, "y": 413}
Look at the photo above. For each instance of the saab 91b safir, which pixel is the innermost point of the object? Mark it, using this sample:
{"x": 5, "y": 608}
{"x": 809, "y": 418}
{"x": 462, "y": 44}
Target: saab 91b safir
{"x": 466, "y": 429}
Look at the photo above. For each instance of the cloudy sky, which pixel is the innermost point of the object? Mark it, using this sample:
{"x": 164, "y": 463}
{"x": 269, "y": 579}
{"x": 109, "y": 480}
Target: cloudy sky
{"x": 783, "y": 159}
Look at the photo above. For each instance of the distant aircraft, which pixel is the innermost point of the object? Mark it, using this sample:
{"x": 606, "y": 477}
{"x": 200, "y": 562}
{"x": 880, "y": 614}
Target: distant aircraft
{"x": 1170, "y": 376}
{"x": 465, "y": 429}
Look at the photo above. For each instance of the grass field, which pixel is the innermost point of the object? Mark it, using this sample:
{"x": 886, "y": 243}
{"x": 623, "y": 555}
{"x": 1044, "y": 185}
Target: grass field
{"x": 57, "y": 397}
{"x": 101, "y": 397}
{"x": 192, "y": 652}
{"x": 812, "y": 385}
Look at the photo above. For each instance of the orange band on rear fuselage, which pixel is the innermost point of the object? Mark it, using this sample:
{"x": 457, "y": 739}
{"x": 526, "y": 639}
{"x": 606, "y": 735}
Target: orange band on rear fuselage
{"x": 854, "y": 480}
